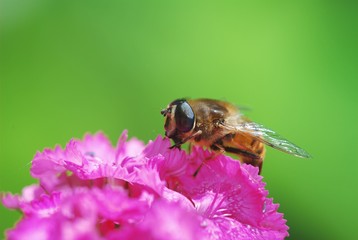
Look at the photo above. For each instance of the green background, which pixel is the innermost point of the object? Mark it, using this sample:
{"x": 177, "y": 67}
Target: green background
{"x": 71, "y": 67}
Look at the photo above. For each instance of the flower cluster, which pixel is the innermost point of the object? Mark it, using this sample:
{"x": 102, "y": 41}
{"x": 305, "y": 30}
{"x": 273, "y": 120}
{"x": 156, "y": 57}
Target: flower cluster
{"x": 92, "y": 190}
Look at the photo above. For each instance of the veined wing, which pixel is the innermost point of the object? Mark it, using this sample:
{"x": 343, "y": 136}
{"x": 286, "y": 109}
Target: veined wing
{"x": 267, "y": 136}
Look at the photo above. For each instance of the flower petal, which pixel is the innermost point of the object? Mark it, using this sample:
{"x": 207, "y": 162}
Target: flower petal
{"x": 164, "y": 221}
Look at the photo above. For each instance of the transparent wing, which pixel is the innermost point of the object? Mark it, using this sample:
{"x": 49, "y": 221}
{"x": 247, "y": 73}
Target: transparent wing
{"x": 269, "y": 137}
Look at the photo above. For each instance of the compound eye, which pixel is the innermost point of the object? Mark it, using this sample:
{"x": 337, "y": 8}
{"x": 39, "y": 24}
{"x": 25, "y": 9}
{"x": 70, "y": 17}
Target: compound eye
{"x": 184, "y": 117}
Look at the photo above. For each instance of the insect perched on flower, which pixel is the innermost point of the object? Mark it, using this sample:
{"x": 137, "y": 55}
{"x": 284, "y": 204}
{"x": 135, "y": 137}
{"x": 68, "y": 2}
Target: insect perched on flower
{"x": 220, "y": 126}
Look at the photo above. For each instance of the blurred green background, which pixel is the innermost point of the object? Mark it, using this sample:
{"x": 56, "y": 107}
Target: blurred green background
{"x": 71, "y": 67}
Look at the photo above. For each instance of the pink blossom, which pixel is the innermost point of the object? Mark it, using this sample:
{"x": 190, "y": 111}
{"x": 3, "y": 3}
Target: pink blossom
{"x": 92, "y": 190}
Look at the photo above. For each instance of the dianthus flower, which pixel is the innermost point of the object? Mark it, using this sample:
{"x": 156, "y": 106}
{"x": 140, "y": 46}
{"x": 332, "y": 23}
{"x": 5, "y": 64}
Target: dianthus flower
{"x": 92, "y": 190}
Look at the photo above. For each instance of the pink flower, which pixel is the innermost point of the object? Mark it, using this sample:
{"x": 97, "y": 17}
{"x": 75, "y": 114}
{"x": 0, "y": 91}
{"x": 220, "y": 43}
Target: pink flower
{"x": 92, "y": 190}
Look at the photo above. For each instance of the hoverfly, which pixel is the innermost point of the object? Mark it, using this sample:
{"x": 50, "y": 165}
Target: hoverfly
{"x": 220, "y": 126}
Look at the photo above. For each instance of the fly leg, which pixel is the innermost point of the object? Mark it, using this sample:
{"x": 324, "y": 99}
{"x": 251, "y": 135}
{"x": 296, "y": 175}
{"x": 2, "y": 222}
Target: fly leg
{"x": 247, "y": 157}
{"x": 190, "y": 148}
{"x": 198, "y": 169}
{"x": 181, "y": 142}
{"x": 217, "y": 150}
